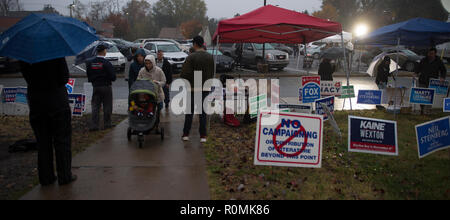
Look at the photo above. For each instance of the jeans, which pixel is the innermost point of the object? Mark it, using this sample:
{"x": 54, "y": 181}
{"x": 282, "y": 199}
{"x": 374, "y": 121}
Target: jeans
{"x": 102, "y": 96}
{"x": 166, "y": 94}
{"x": 189, "y": 117}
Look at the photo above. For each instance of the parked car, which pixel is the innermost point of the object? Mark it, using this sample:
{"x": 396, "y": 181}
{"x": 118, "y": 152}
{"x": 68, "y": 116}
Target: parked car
{"x": 185, "y": 45}
{"x": 141, "y": 42}
{"x": 116, "y": 58}
{"x": 172, "y": 52}
{"x": 123, "y": 46}
{"x": 224, "y": 63}
{"x": 444, "y": 51}
{"x": 9, "y": 65}
{"x": 315, "y": 51}
{"x": 283, "y": 48}
{"x": 227, "y": 49}
{"x": 252, "y": 55}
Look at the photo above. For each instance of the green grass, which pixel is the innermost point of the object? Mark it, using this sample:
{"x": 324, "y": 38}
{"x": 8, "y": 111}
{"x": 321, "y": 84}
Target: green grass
{"x": 343, "y": 175}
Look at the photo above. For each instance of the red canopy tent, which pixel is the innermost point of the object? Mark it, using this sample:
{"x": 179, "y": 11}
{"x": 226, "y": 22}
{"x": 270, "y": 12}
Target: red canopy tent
{"x": 271, "y": 24}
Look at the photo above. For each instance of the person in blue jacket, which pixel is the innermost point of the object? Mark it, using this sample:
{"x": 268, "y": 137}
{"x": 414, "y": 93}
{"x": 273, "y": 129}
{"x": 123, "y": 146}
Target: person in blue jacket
{"x": 136, "y": 66}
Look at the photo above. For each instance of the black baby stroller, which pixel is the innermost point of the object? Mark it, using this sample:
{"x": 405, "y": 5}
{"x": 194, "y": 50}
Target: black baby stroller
{"x": 143, "y": 109}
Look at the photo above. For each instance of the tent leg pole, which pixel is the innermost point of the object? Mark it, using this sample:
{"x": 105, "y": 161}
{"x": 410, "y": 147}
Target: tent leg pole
{"x": 346, "y": 66}
{"x": 395, "y": 80}
{"x": 298, "y": 55}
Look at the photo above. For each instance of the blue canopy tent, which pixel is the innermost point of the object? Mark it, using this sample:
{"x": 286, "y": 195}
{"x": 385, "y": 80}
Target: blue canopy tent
{"x": 414, "y": 32}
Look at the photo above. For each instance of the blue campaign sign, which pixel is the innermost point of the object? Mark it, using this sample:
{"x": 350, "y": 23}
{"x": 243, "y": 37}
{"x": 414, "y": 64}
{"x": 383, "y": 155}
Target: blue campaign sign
{"x": 433, "y": 136}
{"x": 370, "y": 97}
{"x": 374, "y": 136}
{"x": 422, "y": 96}
{"x": 9, "y": 95}
{"x": 440, "y": 87}
{"x": 329, "y": 102}
{"x": 21, "y": 95}
{"x": 311, "y": 92}
{"x": 77, "y": 102}
{"x": 447, "y": 105}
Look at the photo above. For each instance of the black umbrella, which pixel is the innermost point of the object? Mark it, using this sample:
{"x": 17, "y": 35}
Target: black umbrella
{"x": 90, "y": 52}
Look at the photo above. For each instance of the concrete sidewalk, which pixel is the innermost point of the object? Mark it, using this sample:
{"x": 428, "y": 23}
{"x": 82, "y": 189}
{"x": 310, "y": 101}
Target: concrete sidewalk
{"x": 115, "y": 169}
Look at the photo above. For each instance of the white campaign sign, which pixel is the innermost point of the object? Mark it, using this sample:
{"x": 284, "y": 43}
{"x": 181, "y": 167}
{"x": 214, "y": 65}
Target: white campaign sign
{"x": 289, "y": 140}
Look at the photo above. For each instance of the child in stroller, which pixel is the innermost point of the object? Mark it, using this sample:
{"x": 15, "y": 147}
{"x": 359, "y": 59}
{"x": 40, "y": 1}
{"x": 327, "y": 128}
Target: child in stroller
{"x": 143, "y": 110}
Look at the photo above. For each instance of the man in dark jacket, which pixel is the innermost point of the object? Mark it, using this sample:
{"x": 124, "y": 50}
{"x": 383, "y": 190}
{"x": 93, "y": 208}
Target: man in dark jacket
{"x": 50, "y": 118}
{"x": 383, "y": 72}
{"x": 136, "y": 66}
{"x": 164, "y": 64}
{"x": 202, "y": 61}
{"x": 326, "y": 70}
{"x": 101, "y": 74}
{"x": 431, "y": 67}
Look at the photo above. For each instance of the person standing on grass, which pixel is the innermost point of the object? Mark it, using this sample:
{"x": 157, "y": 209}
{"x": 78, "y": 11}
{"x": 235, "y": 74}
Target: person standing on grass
{"x": 50, "y": 118}
{"x": 101, "y": 74}
{"x": 430, "y": 67}
{"x": 164, "y": 64}
{"x": 199, "y": 60}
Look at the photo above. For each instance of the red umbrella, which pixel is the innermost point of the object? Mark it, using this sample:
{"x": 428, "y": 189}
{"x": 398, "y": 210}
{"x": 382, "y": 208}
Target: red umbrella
{"x": 271, "y": 24}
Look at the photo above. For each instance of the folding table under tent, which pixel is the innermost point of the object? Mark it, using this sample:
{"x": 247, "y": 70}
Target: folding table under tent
{"x": 271, "y": 24}
{"x": 414, "y": 32}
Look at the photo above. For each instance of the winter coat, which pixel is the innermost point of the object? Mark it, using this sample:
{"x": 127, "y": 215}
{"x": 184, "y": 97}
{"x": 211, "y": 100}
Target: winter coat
{"x": 156, "y": 75}
{"x": 135, "y": 67}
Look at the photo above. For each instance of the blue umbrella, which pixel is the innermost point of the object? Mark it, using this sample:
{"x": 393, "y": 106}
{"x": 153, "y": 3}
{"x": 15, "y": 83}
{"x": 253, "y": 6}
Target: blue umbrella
{"x": 90, "y": 52}
{"x": 41, "y": 37}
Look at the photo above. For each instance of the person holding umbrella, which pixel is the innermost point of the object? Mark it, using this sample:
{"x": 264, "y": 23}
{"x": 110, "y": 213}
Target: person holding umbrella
{"x": 40, "y": 42}
{"x": 101, "y": 74}
{"x": 383, "y": 72}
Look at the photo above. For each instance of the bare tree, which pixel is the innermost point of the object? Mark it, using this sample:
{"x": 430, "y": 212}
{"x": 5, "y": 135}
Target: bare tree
{"x": 9, "y": 5}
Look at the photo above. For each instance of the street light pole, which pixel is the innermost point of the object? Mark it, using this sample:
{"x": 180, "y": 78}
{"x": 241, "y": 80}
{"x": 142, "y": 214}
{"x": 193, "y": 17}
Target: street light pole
{"x": 71, "y": 6}
{"x": 264, "y": 45}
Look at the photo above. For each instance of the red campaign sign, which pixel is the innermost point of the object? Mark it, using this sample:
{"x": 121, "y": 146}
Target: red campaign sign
{"x": 71, "y": 82}
{"x": 309, "y": 79}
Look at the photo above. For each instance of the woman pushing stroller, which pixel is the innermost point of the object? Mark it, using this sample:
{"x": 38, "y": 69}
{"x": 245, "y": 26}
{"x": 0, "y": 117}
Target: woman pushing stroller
{"x": 153, "y": 73}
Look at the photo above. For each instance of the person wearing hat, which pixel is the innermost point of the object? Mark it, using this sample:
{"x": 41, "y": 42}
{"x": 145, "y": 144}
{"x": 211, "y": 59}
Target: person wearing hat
{"x": 152, "y": 72}
{"x": 101, "y": 74}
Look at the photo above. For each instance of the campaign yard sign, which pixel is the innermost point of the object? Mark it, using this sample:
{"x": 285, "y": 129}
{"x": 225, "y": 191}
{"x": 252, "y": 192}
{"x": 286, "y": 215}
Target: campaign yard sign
{"x": 21, "y": 95}
{"x": 296, "y": 108}
{"x": 374, "y": 136}
{"x": 422, "y": 96}
{"x": 433, "y": 136}
{"x": 330, "y": 88}
{"x": 9, "y": 95}
{"x": 257, "y": 103}
{"x": 370, "y": 97}
{"x": 70, "y": 85}
{"x": 347, "y": 92}
{"x": 289, "y": 140}
{"x": 310, "y": 90}
{"x": 441, "y": 88}
{"x": 77, "y": 103}
{"x": 447, "y": 105}
{"x": 329, "y": 102}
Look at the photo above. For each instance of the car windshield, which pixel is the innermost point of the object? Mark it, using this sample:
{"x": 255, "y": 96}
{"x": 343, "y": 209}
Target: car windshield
{"x": 408, "y": 52}
{"x": 214, "y": 52}
{"x": 169, "y": 48}
{"x": 260, "y": 47}
{"x": 138, "y": 41}
{"x": 113, "y": 49}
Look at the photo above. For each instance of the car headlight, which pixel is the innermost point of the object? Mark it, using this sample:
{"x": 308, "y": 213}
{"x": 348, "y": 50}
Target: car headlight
{"x": 270, "y": 56}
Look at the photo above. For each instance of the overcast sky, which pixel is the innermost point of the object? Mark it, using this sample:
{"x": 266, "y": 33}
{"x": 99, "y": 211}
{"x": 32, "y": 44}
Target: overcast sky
{"x": 216, "y": 8}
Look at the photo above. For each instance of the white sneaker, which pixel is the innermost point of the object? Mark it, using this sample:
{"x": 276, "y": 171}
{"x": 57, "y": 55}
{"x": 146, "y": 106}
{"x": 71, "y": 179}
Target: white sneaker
{"x": 185, "y": 138}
